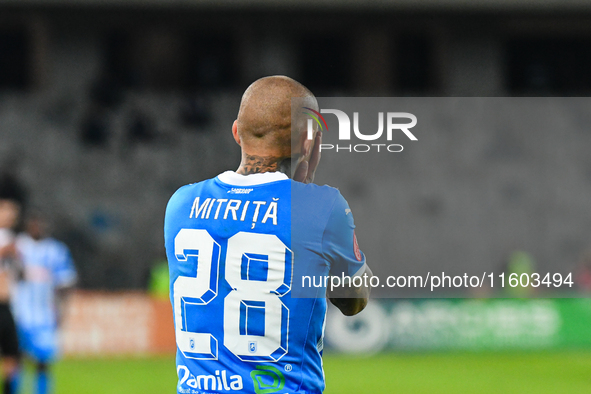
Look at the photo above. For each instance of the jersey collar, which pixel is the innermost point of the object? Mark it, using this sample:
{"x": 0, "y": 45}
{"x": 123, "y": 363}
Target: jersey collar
{"x": 232, "y": 178}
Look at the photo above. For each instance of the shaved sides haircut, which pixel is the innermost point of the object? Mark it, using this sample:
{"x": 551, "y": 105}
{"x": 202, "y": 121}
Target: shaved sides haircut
{"x": 265, "y": 119}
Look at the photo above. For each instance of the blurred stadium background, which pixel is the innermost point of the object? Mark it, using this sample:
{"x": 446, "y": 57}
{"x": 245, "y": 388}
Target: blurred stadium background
{"x": 108, "y": 106}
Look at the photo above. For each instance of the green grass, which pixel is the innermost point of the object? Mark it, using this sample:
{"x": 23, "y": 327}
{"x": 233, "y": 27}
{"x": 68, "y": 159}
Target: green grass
{"x": 155, "y": 375}
{"x": 475, "y": 373}
{"x": 438, "y": 373}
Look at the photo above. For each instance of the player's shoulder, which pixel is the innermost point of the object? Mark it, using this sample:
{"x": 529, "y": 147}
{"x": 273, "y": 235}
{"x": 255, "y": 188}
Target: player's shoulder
{"x": 320, "y": 202}
{"x": 320, "y": 194}
{"x": 25, "y": 240}
{"x": 188, "y": 190}
{"x": 314, "y": 188}
{"x": 191, "y": 187}
{"x": 55, "y": 244}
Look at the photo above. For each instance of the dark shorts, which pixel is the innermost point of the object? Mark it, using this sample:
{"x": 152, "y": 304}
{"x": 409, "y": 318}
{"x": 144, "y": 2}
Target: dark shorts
{"x": 8, "y": 336}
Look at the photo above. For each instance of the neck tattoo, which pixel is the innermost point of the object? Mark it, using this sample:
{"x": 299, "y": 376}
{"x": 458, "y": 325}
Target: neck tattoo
{"x": 254, "y": 164}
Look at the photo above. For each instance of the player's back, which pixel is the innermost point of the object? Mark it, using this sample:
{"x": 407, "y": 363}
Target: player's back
{"x": 229, "y": 246}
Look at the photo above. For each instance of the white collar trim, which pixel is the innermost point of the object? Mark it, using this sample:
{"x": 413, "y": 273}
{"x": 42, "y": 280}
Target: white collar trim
{"x": 232, "y": 178}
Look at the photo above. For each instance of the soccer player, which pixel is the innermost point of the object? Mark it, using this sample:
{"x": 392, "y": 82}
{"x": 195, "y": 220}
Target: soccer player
{"x": 49, "y": 274}
{"x": 239, "y": 243}
{"x": 9, "y": 213}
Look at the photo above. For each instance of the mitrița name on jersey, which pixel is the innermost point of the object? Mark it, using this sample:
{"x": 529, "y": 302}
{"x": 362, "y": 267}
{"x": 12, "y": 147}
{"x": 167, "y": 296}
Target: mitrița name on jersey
{"x": 243, "y": 210}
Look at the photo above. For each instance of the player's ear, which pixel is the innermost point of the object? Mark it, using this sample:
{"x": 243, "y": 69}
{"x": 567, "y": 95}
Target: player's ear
{"x": 235, "y": 132}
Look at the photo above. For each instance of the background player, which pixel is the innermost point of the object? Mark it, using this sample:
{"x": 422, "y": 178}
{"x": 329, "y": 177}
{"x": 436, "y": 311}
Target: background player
{"x": 238, "y": 243}
{"x": 9, "y": 213}
{"x": 48, "y": 276}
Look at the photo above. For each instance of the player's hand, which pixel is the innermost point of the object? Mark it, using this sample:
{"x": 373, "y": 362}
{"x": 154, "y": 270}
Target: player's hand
{"x": 307, "y": 168}
{"x": 8, "y": 251}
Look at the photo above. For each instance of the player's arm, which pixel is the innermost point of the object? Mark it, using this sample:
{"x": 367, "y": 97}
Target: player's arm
{"x": 340, "y": 248}
{"x": 65, "y": 278}
{"x": 8, "y": 251}
{"x": 353, "y": 300}
{"x": 9, "y": 254}
{"x": 62, "y": 294}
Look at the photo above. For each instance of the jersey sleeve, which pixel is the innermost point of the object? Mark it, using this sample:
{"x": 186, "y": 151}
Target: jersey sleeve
{"x": 339, "y": 243}
{"x": 64, "y": 273}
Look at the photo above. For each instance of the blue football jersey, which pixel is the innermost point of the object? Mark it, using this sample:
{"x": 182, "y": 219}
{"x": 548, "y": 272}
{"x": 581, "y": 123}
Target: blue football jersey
{"x": 238, "y": 247}
{"x": 47, "y": 266}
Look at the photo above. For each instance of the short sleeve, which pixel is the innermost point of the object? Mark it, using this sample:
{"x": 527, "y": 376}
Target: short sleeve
{"x": 64, "y": 273}
{"x": 339, "y": 242}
